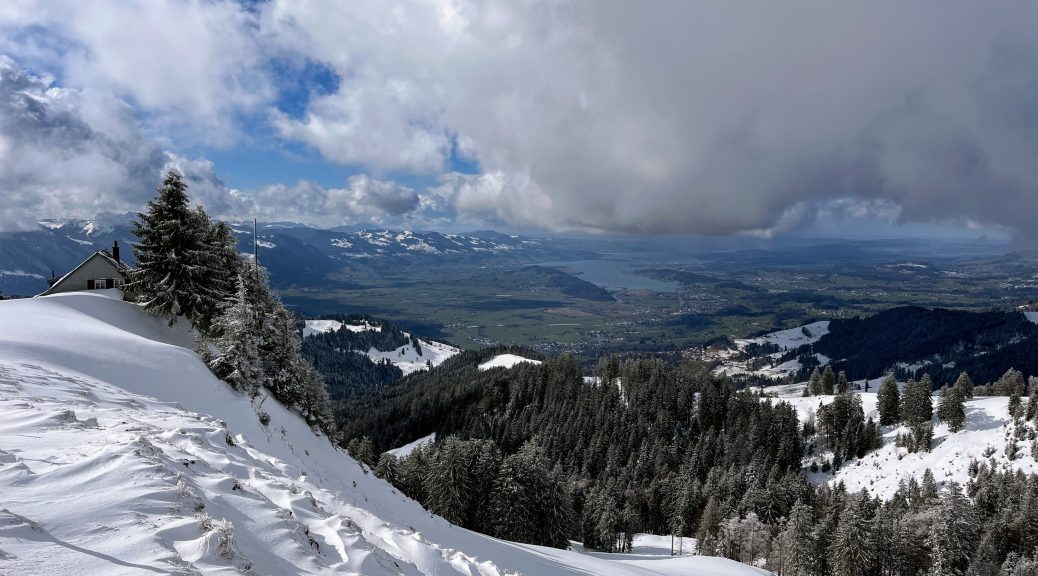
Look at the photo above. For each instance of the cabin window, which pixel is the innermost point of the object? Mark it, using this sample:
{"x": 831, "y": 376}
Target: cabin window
{"x": 118, "y": 283}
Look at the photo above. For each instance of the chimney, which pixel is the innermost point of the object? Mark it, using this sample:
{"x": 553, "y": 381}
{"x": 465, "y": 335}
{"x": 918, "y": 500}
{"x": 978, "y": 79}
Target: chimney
{"x": 115, "y": 251}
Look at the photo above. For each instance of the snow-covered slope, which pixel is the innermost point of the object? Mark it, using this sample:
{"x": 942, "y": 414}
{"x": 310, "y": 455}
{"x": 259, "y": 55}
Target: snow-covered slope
{"x": 784, "y": 339}
{"x": 505, "y": 361}
{"x": 405, "y": 357}
{"x": 121, "y": 454}
{"x": 406, "y": 449}
{"x": 313, "y": 327}
{"x": 984, "y": 438}
{"x": 408, "y": 360}
{"x": 793, "y": 337}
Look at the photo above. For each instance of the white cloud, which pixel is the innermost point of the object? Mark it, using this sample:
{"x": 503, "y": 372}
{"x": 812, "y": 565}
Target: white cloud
{"x": 192, "y": 65}
{"x": 364, "y": 200}
{"x": 62, "y": 164}
{"x": 705, "y": 117}
{"x": 710, "y": 117}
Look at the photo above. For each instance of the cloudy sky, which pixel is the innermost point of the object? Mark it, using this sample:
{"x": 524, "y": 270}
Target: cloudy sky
{"x": 679, "y": 116}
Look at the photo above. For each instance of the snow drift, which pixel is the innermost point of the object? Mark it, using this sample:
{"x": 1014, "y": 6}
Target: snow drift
{"x": 121, "y": 454}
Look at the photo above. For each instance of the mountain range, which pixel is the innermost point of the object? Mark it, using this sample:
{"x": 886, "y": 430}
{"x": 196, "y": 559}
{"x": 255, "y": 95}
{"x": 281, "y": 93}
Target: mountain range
{"x": 293, "y": 254}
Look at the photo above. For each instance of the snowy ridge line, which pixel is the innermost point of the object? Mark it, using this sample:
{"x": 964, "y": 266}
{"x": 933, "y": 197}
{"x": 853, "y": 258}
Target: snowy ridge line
{"x": 162, "y": 468}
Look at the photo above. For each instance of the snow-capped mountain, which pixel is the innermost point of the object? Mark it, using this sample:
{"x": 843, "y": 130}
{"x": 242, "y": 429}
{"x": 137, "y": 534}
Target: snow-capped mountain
{"x": 27, "y": 259}
{"x": 406, "y": 247}
{"x": 292, "y": 253}
{"x": 121, "y": 454}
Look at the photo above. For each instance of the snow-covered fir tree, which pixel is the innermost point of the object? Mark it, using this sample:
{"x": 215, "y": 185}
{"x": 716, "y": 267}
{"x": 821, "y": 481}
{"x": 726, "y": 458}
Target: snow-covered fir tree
{"x": 828, "y": 381}
{"x": 238, "y": 360}
{"x": 851, "y": 549}
{"x": 953, "y": 534}
{"x": 174, "y": 268}
{"x": 950, "y": 408}
{"x": 888, "y": 400}
{"x": 797, "y": 542}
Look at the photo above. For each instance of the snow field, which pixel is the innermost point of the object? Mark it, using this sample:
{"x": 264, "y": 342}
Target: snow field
{"x": 121, "y": 454}
{"x": 505, "y": 361}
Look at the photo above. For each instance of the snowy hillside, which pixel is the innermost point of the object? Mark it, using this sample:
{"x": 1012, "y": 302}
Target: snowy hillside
{"x": 121, "y": 454}
{"x": 406, "y": 449}
{"x": 984, "y": 438}
{"x": 405, "y": 357}
{"x": 408, "y": 360}
{"x": 321, "y": 326}
{"x": 505, "y": 361}
{"x": 791, "y": 338}
{"x": 734, "y": 362}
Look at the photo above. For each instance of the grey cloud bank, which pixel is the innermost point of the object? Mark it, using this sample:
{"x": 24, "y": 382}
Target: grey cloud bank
{"x": 679, "y": 117}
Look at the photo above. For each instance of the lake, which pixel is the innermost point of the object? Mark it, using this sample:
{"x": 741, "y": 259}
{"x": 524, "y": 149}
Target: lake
{"x": 614, "y": 274}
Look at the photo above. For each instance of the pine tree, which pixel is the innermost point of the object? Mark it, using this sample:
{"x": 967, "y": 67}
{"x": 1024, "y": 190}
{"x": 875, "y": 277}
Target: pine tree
{"x": 388, "y": 468}
{"x": 448, "y": 482}
{"x": 828, "y": 381}
{"x": 171, "y": 278}
{"x": 928, "y": 490}
{"x": 238, "y": 362}
{"x": 797, "y": 542}
{"x": 1010, "y": 383}
{"x": 685, "y": 499}
{"x": 284, "y": 367}
{"x": 362, "y": 450}
{"x": 709, "y": 525}
{"x": 917, "y": 403}
{"x": 1014, "y": 404}
{"x": 529, "y": 503}
{"x": 224, "y": 264}
{"x": 1032, "y": 400}
{"x": 965, "y": 385}
{"x": 314, "y": 404}
{"x": 842, "y": 386}
{"x": 888, "y": 400}
{"x": 216, "y": 270}
{"x": 950, "y": 408}
{"x": 851, "y": 551}
{"x": 814, "y": 386}
{"x": 953, "y": 535}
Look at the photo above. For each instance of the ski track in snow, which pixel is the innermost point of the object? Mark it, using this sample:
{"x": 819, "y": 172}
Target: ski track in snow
{"x": 121, "y": 454}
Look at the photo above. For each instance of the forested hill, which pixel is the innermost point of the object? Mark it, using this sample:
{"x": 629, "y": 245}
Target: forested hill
{"x": 639, "y": 447}
{"x": 333, "y": 354}
{"x": 940, "y": 342}
{"x": 541, "y": 453}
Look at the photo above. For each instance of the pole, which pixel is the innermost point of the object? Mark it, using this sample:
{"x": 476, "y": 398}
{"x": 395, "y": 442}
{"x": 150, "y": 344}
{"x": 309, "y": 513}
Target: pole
{"x": 255, "y": 245}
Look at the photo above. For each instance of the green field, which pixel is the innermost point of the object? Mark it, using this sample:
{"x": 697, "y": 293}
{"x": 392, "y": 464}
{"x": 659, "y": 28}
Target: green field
{"x": 475, "y": 307}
